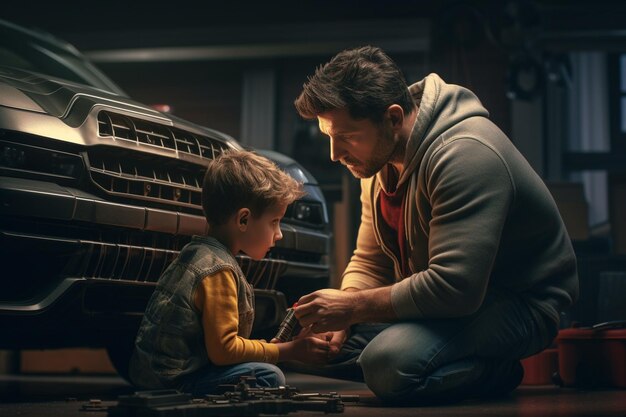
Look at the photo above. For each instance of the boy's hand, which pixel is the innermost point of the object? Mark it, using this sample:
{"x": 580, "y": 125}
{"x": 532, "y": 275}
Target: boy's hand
{"x": 305, "y": 349}
{"x": 336, "y": 339}
{"x": 307, "y": 332}
{"x": 311, "y": 349}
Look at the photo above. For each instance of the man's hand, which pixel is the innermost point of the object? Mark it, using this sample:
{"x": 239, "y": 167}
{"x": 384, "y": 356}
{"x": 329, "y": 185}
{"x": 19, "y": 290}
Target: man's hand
{"x": 334, "y": 310}
{"x": 327, "y": 310}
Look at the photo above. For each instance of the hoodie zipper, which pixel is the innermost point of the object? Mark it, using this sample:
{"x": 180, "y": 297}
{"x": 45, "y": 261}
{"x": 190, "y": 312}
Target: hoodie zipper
{"x": 409, "y": 196}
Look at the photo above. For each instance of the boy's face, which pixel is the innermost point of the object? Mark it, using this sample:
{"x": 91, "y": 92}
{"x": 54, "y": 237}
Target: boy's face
{"x": 262, "y": 232}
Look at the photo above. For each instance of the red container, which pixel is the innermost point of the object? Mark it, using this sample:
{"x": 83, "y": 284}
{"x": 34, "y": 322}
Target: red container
{"x": 539, "y": 368}
{"x": 592, "y": 358}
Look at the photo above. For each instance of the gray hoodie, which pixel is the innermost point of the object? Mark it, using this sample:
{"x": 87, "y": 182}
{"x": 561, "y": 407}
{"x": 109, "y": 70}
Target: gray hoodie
{"x": 476, "y": 216}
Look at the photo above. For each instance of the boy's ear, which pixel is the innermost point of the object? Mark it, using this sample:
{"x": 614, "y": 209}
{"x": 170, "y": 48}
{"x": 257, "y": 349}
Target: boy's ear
{"x": 242, "y": 218}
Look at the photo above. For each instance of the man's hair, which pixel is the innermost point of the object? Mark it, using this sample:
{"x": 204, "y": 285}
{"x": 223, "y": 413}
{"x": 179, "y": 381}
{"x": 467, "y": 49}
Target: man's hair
{"x": 364, "y": 80}
{"x": 237, "y": 179}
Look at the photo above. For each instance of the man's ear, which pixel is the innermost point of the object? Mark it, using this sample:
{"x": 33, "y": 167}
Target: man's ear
{"x": 242, "y": 218}
{"x": 395, "y": 113}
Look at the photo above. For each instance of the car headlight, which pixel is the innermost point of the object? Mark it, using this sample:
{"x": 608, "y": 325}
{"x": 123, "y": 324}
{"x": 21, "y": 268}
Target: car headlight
{"x": 308, "y": 212}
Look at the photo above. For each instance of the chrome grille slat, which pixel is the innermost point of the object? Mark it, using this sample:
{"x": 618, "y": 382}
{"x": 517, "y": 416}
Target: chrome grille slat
{"x": 188, "y": 144}
{"x": 139, "y": 178}
{"x": 144, "y": 132}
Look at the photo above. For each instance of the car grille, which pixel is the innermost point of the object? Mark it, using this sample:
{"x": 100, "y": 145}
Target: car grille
{"x": 144, "y": 264}
{"x": 142, "y": 258}
{"x": 147, "y": 176}
{"x": 149, "y": 133}
{"x": 263, "y": 273}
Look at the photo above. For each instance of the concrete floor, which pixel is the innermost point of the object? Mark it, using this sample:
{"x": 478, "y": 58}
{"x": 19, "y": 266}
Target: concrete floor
{"x": 78, "y": 396}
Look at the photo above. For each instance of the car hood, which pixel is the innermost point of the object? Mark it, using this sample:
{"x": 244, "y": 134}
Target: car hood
{"x": 289, "y": 165}
{"x": 71, "y": 102}
{"x": 43, "y": 94}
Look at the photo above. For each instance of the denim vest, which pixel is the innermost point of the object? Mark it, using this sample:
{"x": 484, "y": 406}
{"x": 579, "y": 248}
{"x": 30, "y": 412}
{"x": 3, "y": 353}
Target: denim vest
{"x": 170, "y": 342}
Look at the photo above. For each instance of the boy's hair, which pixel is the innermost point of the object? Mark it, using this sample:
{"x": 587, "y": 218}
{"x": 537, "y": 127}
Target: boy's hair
{"x": 237, "y": 179}
{"x": 364, "y": 80}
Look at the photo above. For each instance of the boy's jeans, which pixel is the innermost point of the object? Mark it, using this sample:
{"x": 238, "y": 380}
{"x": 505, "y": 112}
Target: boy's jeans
{"x": 208, "y": 380}
{"x": 444, "y": 359}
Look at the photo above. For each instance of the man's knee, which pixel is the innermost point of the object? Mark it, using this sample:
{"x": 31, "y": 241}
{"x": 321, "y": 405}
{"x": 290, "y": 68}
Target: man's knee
{"x": 400, "y": 381}
{"x": 390, "y": 374}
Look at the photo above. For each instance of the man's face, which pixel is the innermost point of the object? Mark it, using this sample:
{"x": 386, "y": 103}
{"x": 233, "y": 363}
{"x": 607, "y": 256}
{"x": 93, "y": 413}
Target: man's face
{"x": 362, "y": 146}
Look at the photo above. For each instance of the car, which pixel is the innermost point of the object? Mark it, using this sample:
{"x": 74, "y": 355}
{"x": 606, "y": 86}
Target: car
{"x": 98, "y": 194}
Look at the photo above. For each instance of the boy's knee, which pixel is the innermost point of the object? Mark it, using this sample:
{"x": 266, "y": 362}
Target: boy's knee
{"x": 269, "y": 376}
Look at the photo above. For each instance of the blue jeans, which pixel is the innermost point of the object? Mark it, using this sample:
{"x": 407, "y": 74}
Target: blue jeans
{"x": 208, "y": 380}
{"x": 443, "y": 360}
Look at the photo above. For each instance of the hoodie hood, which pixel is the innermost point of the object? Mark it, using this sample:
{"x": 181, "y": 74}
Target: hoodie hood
{"x": 440, "y": 107}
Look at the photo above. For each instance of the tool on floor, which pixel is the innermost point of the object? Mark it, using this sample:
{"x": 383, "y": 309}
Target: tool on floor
{"x": 242, "y": 399}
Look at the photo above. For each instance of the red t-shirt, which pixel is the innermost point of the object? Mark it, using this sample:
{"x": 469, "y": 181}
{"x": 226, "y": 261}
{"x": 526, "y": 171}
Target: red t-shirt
{"x": 391, "y": 208}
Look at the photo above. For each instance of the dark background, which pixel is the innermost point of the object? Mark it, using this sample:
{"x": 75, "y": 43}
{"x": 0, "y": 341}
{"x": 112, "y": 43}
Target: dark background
{"x": 479, "y": 44}
{"x": 80, "y": 17}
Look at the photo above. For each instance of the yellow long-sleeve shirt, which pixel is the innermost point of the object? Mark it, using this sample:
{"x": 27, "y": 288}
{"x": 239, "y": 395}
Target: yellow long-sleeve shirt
{"x": 216, "y": 298}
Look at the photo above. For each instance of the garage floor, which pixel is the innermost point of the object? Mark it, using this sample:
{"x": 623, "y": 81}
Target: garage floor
{"x": 70, "y": 395}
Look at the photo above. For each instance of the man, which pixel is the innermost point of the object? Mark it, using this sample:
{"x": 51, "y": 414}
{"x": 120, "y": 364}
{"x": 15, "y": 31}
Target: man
{"x": 461, "y": 251}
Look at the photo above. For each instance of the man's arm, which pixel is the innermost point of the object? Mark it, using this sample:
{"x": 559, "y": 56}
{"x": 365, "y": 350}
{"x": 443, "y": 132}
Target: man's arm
{"x": 366, "y": 294}
{"x": 333, "y": 310}
{"x": 469, "y": 192}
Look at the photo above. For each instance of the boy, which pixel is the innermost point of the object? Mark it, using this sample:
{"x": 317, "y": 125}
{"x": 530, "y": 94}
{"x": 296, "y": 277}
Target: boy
{"x": 194, "y": 334}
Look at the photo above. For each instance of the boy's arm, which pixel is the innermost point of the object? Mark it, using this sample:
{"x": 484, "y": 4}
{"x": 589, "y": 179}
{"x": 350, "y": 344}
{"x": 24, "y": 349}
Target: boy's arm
{"x": 216, "y": 298}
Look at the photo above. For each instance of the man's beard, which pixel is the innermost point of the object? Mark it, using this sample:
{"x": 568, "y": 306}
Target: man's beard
{"x": 381, "y": 155}
{"x": 357, "y": 173}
